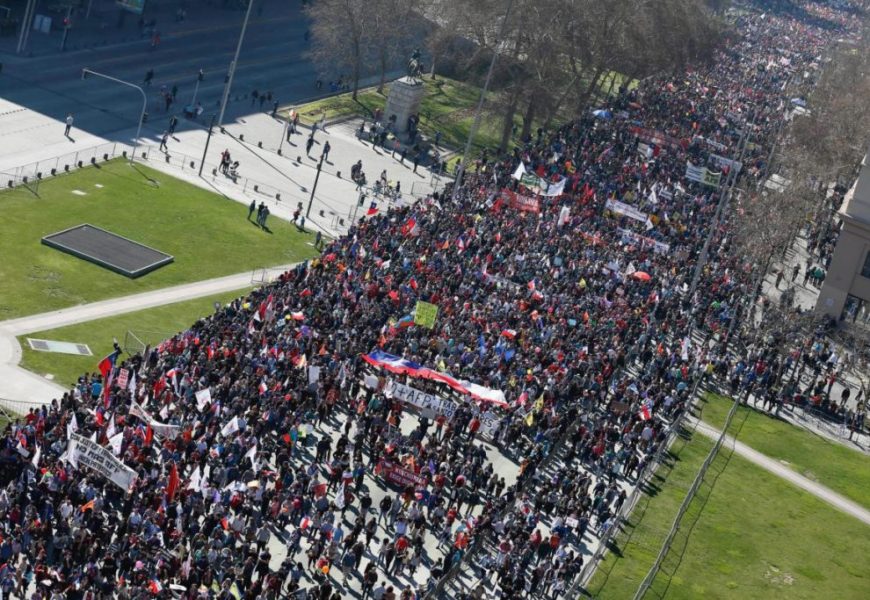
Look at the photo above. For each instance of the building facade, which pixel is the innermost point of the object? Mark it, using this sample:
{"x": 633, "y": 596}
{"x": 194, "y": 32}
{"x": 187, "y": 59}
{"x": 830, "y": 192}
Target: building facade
{"x": 846, "y": 291}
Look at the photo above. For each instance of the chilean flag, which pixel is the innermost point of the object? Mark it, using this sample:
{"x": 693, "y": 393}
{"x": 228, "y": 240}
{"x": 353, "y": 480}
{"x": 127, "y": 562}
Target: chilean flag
{"x": 106, "y": 365}
{"x": 373, "y": 209}
{"x": 646, "y": 410}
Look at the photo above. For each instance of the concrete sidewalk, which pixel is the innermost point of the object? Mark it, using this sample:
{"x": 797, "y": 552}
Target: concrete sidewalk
{"x": 20, "y": 385}
{"x": 768, "y": 464}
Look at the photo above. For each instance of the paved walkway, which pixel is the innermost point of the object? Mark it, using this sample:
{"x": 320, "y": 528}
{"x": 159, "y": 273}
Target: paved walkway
{"x": 20, "y": 385}
{"x": 768, "y": 464}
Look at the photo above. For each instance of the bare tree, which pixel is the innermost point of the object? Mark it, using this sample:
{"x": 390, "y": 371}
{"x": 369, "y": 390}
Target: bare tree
{"x": 339, "y": 34}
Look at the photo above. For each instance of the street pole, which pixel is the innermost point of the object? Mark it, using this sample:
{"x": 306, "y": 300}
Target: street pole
{"x": 25, "y": 25}
{"x": 86, "y": 72}
{"x": 199, "y": 77}
{"x": 283, "y": 135}
{"x": 314, "y": 188}
{"x": 66, "y": 26}
{"x": 478, "y": 112}
{"x": 207, "y": 140}
{"x": 229, "y": 83}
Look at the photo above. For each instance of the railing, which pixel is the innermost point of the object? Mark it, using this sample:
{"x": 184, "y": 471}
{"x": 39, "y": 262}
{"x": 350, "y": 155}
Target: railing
{"x": 58, "y": 165}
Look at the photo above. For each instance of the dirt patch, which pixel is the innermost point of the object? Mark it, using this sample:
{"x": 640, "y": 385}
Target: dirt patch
{"x": 777, "y": 577}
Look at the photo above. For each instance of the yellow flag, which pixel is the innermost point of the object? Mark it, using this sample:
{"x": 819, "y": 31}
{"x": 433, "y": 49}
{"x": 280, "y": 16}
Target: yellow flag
{"x": 539, "y": 403}
{"x": 530, "y": 419}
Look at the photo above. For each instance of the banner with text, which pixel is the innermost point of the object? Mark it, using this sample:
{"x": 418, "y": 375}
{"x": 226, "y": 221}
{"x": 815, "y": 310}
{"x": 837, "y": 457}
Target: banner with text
{"x": 84, "y": 452}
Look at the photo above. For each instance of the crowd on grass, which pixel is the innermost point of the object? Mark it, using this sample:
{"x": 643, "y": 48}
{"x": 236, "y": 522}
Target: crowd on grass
{"x": 272, "y": 456}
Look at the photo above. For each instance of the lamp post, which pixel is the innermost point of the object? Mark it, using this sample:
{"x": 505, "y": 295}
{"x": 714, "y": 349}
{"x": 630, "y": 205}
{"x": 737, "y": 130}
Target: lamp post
{"x": 87, "y": 72}
{"x": 207, "y": 140}
{"x": 314, "y": 187}
{"x": 478, "y": 112}
{"x": 232, "y": 71}
{"x": 199, "y": 77}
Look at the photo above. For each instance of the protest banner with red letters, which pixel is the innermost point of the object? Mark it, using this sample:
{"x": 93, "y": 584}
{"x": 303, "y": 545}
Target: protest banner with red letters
{"x": 523, "y": 203}
{"x": 395, "y": 473}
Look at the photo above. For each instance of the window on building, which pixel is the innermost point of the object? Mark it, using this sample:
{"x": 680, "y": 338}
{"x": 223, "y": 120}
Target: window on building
{"x": 865, "y": 272}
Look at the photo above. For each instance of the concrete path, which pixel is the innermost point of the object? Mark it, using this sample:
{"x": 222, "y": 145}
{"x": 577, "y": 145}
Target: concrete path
{"x": 765, "y": 462}
{"x": 20, "y": 385}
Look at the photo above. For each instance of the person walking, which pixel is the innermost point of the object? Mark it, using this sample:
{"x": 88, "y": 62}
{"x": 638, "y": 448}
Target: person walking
{"x": 173, "y": 123}
{"x": 163, "y": 141}
{"x": 251, "y": 208}
{"x": 309, "y": 144}
{"x": 69, "y": 122}
{"x": 149, "y": 77}
{"x": 326, "y": 149}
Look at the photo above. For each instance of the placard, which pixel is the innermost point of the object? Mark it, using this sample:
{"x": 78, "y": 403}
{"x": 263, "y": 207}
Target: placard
{"x": 82, "y": 451}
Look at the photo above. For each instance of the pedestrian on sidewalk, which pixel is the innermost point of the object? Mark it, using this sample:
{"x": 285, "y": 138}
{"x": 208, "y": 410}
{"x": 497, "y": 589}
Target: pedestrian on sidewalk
{"x": 173, "y": 123}
{"x": 163, "y": 141}
{"x": 274, "y": 108}
{"x": 69, "y": 122}
{"x": 149, "y": 77}
{"x": 309, "y": 144}
{"x": 326, "y": 149}
{"x": 251, "y": 208}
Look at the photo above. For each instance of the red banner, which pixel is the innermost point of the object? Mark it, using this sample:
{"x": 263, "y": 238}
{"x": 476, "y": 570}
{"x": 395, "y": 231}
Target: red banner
{"x": 523, "y": 203}
{"x": 399, "y": 475}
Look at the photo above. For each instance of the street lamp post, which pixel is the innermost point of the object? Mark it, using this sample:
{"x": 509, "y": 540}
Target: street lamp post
{"x": 207, "y": 140}
{"x": 314, "y": 187}
{"x": 87, "y": 72}
{"x": 199, "y": 77}
{"x": 478, "y": 112}
{"x": 233, "y": 64}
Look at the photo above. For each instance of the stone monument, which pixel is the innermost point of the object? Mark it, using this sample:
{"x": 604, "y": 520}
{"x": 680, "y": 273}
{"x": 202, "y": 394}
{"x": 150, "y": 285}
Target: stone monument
{"x": 405, "y": 96}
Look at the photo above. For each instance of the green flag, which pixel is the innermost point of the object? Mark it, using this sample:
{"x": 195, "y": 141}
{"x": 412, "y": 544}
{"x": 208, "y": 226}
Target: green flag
{"x": 425, "y": 314}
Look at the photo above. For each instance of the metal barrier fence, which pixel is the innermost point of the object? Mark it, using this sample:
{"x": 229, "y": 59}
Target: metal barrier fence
{"x": 58, "y": 165}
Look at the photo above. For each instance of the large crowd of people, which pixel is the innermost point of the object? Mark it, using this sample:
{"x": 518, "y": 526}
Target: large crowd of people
{"x": 267, "y": 452}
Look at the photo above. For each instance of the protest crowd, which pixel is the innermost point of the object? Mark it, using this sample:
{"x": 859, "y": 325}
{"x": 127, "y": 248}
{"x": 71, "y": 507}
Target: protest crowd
{"x": 321, "y": 438}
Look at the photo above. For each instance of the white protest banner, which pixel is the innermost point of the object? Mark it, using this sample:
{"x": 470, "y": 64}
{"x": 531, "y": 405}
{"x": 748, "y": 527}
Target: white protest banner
{"x": 431, "y": 406}
{"x": 626, "y": 210}
{"x": 123, "y": 375}
{"x": 702, "y": 175}
{"x": 92, "y": 455}
{"x": 564, "y": 215}
{"x": 554, "y": 189}
{"x": 36, "y": 456}
{"x": 313, "y": 375}
{"x": 162, "y": 429}
{"x": 723, "y": 162}
{"x": 203, "y": 397}
{"x": 644, "y": 242}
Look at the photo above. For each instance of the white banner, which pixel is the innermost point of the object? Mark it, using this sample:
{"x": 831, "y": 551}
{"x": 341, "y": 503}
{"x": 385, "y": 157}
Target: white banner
{"x": 161, "y": 429}
{"x": 202, "y": 398}
{"x": 430, "y": 406}
{"x": 643, "y": 241}
{"x": 627, "y": 210}
{"x": 84, "y": 452}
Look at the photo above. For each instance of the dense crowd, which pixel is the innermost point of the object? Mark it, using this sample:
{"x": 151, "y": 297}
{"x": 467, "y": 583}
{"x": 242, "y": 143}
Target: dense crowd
{"x": 271, "y": 459}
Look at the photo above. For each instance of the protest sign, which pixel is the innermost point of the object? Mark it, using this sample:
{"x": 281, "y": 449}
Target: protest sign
{"x": 523, "y": 203}
{"x": 123, "y": 375}
{"x": 643, "y": 241}
{"x": 161, "y": 429}
{"x": 425, "y": 314}
{"x": 432, "y": 406}
{"x": 626, "y": 210}
{"x": 84, "y": 452}
{"x": 399, "y": 475}
{"x": 702, "y": 175}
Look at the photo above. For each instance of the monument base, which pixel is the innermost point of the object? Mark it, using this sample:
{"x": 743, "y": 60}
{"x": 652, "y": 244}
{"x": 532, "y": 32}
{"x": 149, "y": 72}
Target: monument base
{"x": 404, "y": 99}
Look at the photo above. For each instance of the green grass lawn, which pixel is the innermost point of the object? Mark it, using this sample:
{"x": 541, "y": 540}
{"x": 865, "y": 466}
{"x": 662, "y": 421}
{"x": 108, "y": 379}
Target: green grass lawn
{"x": 207, "y": 234}
{"x": 448, "y": 107}
{"x": 842, "y": 469}
{"x": 152, "y": 325}
{"x": 752, "y": 535}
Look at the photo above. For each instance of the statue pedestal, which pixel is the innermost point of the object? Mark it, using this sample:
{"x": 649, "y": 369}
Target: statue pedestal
{"x": 404, "y": 100}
